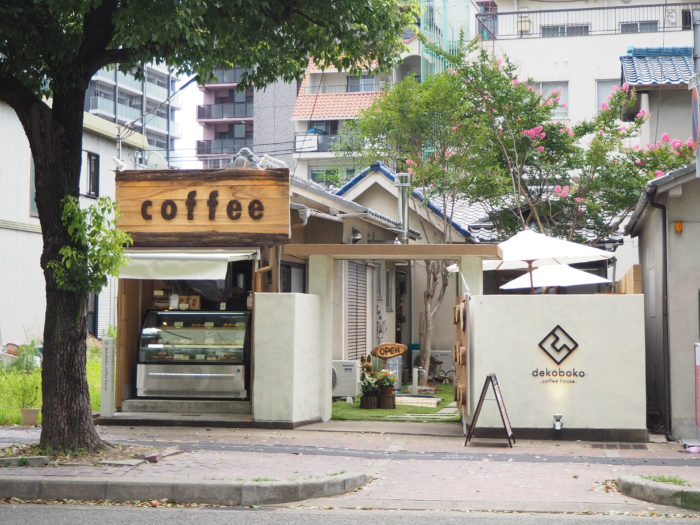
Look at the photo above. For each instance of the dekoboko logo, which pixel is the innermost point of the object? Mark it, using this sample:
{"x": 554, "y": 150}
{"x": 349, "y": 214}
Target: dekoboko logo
{"x": 558, "y": 344}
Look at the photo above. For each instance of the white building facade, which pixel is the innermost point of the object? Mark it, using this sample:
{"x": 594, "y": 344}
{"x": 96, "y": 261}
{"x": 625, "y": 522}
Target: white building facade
{"x": 22, "y": 310}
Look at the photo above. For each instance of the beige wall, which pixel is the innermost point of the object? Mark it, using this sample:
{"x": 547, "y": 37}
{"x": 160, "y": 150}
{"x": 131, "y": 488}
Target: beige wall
{"x": 684, "y": 295}
{"x": 506, "y": 331}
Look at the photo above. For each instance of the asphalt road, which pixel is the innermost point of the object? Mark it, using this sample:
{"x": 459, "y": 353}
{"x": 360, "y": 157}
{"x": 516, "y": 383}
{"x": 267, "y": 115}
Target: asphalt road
{"x": 108, "y": 515}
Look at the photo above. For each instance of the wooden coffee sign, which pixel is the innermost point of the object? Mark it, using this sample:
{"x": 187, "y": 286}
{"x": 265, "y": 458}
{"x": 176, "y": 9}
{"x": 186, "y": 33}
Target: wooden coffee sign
{"x": 388, "y": 350}
{"x": 172, "y": 208}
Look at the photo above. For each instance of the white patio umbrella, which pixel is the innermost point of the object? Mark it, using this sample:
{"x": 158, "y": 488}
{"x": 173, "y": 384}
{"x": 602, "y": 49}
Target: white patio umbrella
{"x": 554, "y": 275}
{"x": 529, "y": 249}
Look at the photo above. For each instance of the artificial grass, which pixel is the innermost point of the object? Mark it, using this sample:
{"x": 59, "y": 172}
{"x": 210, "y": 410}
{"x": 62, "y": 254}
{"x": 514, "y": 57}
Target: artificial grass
{"x": 342, "y": 410}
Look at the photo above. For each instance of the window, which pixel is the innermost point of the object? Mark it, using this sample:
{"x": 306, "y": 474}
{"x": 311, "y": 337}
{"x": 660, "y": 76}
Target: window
{"x": 557, "y": 31}
{"x": 361, "y": 83}
{"x": 89, "y": 174}
{"x": 603, "y": 88}
{"x": 92, "y": 313}
{"x": 563, "y": 93}
{"x": 326, "y": 176}
{"x": 326, "y": 126}
{"x": 649, "y": 26}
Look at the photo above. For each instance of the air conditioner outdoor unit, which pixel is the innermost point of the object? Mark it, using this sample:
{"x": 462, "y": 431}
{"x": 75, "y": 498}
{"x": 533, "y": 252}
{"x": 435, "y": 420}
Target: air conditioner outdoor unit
{"x": 346, "y": 378}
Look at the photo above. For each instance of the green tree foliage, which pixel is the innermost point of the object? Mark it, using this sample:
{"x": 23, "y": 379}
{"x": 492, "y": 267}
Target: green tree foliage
{"x": 96, "y": 246}
{"x": 525, "y": 166}
{"x": 410, "y": 128}
{"x": 51, "y": 48}
{"x": 479, "y": 132}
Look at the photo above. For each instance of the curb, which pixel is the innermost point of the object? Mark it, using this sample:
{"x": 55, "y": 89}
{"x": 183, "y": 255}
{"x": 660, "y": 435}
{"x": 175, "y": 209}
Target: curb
{"x": 208, "y": 492}
{"x": 661, "y": 493}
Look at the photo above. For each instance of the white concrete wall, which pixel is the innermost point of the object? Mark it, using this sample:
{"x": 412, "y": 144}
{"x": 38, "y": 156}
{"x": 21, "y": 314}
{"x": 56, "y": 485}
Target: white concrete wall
{"x": 21, "y": 277}
{"x": 684, "y": 296}
{"x": 289, "y": 376}
{"x": 580, "y": 61}
{"x": 23, "y": 304}
{"x": 506, "y": 331}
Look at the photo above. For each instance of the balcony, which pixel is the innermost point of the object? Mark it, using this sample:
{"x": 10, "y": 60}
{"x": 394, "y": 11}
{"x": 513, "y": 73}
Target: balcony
{"x": 223, "y": 146}
{"x": 312, "y": 142}
{"x": 227, "y": 76}
{"x": 559, "y": 23}
{"x": 129, "y": 82}
{"x": 366, "y": 87}
{"x": 225, "y": 111}
{"x": 156, "y": 91}
{"x": 101, "y": 105}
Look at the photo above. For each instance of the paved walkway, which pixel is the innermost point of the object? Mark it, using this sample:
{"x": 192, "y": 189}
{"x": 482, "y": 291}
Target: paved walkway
{"x": 396, "y": 464}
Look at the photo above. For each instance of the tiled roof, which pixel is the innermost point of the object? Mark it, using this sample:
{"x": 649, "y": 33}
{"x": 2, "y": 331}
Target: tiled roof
{"x": 331, "y": 105}
{"x": 644, "y": 66}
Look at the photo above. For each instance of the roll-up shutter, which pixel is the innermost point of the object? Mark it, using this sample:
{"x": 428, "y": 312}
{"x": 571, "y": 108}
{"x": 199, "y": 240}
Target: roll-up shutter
{"x": 356, "y": 327}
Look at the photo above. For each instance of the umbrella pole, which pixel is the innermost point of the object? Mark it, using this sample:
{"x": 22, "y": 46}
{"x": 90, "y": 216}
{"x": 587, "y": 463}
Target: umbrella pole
{"x": 529, "y": 269}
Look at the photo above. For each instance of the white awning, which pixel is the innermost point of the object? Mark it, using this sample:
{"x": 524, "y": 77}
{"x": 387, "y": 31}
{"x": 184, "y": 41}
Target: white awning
{"x": 182, "y": 264}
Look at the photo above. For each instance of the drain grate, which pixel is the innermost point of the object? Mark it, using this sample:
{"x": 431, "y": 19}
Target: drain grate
{"x": 619, "y": 446}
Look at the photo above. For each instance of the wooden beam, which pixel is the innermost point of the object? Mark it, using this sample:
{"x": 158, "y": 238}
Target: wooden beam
{"x": 395, "y": 251}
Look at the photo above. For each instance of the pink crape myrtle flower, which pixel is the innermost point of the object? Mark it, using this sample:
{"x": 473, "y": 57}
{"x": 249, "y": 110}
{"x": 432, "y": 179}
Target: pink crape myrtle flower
{"x": 665, "y": 137}
{"x": 641, "y": 113}
{"x": 659, "y": 173}
{"x": 557, "y": 189}
{"x": 515, "y": 81}
{"x": 540, "y": 148}
{"x": 579, "y": 200}
{"x": 677, "y": 143}
{"x": 604, "y": 106}
{"x": 625, "y": 87}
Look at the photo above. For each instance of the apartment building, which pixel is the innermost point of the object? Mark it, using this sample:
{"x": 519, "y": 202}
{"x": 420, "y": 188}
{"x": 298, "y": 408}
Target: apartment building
{"x": 146, "y": 105}
{"x": 577, "y": 46}
{"x": 232, "y": 119}
{"x": 329, "y": 98}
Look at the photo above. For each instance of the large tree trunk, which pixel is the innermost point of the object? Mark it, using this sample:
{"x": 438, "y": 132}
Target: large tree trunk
{"x": 55, "y": 136}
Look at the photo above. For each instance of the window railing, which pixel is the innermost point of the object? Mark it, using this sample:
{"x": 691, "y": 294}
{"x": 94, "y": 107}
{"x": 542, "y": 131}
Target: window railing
{"x": 310, "y": 142}
{"x": 222, "y": 146}
{"x": 555, "y": 23}
{"x": 228, "y": 76}
{"x": 101, "y": 104}
{"x": 128, "y": 81}
{"x": 228, "y": 110}
{"x": 325, "y": 89}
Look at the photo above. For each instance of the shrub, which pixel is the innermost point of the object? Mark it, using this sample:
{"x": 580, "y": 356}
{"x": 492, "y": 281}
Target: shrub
{"x": 26, "y": 358}
{"x": 25, "y": 388}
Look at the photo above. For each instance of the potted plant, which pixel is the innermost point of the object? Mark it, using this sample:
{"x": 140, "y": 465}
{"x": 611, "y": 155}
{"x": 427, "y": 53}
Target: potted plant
{"x": 369, "y": 391}
{"x": 26, "y": 392}
{"x": 25, "y": 384}
{"x": 385, "y": 381}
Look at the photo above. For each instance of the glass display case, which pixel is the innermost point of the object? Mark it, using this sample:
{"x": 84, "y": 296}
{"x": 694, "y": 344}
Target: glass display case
{"x": 193, "y": 354}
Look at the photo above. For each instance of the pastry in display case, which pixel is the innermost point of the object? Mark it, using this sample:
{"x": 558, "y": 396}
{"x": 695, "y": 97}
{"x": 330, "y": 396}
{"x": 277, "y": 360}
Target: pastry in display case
{"x": 193, "y": 354}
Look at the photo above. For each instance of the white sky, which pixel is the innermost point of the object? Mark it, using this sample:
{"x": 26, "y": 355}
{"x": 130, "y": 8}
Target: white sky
{"x": 186, "y": 146}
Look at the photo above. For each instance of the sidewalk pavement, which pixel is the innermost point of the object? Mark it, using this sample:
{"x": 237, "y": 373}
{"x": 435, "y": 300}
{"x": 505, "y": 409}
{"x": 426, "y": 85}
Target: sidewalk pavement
{"x": 369, "y": 465}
